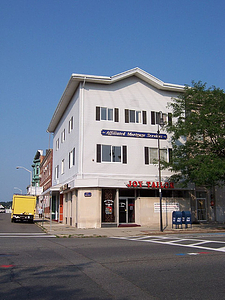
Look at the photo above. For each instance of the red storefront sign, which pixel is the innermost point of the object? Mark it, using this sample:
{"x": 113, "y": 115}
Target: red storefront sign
{"x": 150, "y": 185}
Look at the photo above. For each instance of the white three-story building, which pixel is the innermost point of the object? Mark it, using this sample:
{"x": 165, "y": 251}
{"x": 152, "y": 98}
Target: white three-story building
{"x": 105, "y": 151}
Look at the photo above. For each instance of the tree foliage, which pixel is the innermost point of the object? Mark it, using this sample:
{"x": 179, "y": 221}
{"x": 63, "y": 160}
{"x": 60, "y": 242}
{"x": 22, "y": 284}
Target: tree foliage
{"x": 198, "y": 135}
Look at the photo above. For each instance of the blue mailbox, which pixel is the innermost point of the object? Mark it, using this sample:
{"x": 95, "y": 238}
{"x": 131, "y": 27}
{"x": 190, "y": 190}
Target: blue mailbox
{"x": 177, "y": 218}
{"x": 186, "y": 218}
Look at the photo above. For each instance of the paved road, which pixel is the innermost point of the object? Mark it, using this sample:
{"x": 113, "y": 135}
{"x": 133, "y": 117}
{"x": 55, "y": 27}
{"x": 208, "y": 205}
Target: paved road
{"x": 108, "y": 268}
{"x": 6, "y": 226}
{"x": 215, "y": 242}
{"x": 18, "y": 229}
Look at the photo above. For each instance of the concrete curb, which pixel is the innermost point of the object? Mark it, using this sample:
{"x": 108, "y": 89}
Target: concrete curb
{"x": 65, "y": 231}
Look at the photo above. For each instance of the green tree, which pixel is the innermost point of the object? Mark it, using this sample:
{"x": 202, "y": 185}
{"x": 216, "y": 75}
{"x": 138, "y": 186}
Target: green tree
{"x": 198, "y": 136}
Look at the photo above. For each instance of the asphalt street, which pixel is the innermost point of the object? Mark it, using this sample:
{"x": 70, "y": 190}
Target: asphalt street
{"x": 36, "y": 265}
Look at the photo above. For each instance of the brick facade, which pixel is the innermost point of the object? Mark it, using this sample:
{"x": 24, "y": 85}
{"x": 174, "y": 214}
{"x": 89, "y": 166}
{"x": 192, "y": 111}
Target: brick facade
{"x": 46, "y": 171}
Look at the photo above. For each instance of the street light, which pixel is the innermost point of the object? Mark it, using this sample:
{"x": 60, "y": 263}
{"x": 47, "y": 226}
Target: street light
{"x": 19, "y": 167}
{"x": 18, "y": 189}
{"x": 160, "y": 123}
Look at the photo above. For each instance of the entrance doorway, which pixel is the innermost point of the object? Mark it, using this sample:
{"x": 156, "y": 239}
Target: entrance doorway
{"x": 126, "y": 210}
{"x": 201, "y": 209}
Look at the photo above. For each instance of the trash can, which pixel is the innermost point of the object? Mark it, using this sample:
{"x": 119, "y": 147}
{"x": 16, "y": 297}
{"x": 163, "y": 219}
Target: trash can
{"x": 186, "y": 218}
{"x": 177, "y": 218}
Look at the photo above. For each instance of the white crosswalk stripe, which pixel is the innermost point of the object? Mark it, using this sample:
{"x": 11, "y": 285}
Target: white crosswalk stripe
{"x": 174, "y": 241}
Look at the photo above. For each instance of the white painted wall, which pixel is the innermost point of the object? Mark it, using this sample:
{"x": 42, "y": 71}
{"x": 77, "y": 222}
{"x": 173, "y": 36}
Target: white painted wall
{"x": 130, "y": 93}
{"x": 71, "y": 141}
{"x": 146, "y": 215}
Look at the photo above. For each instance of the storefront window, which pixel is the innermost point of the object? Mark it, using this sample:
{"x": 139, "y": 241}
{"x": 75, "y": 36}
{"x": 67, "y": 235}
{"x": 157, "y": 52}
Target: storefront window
{"x": 108, "y": 197}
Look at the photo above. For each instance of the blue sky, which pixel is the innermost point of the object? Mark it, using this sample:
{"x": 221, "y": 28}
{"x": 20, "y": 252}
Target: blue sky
{"x": 43, "y": 42}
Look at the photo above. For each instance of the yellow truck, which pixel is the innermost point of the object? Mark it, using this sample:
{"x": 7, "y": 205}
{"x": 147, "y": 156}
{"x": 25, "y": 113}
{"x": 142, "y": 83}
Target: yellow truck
{"x": 23, "y": 208}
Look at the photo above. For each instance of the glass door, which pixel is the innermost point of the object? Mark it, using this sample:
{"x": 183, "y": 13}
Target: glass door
{"x": 201, "y": 209}
{"x": 126, "y": 210}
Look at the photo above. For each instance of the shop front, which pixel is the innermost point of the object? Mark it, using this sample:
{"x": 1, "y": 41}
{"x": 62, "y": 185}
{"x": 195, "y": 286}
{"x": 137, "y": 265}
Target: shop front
{"x": 140, "y": 206}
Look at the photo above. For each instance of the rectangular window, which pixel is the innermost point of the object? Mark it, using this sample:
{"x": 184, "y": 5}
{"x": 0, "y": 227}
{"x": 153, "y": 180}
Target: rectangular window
{"x": 70, "y": 125}
{"x": 57, "y": 172}
{"x": 155, "y": 118}
{"x": 72, "y": 158}
{"x": 63, "y": 136}
{"x": 135, "y": 116}
{"x": 132, "y": 116}
{"x": 164, "y": 117}
{"x": 110, "y": 114}
{"x": 57, "y": 144}
{"x": 37, "y": 170}
{"x": 152, "y": 156}
{"x": 107, "y": 114}
{"x": 109, "y": 153}
{"x": 116, "y": 154}
{"x": 106, "y": 153}
{"x": 103, "y": 113}
{"x": 62, "y": 166}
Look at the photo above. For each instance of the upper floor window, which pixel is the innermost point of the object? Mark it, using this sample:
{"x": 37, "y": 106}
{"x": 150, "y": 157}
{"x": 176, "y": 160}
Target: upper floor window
{"x": 107, "y": 114}
{"x": 152, "y": 155}
{"x": 109, "y": 153}
{"x": 72, "y": 158}
{"x": 37, "y": 170}
{"x": 63, "y": 136}
{"x": 62, "y": 166}
{"x": 57, "y": 144}
{"x": 57, "y": 172}
{"x": 156, "y": 115}
{"x": 135, "y": 116}
{"x": 70, "y": 128}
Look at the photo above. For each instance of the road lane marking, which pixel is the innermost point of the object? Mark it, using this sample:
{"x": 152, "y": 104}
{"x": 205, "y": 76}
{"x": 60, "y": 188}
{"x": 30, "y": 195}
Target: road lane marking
{"x": 26, "y": 235}
{"x": 7, "y": 266}
{"x": 174, "y": 241}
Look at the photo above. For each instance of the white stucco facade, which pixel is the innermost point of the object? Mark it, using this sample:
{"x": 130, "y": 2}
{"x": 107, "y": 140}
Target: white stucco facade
{"x": 118, "y": 114}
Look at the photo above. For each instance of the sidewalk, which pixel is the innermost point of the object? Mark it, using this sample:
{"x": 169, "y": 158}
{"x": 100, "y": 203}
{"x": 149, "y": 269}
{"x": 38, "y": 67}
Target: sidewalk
{"x": 61, "y": 230}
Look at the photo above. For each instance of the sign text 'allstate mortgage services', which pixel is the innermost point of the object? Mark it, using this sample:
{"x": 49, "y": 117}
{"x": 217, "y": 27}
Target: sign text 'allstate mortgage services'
{"x": 145, "y": 135}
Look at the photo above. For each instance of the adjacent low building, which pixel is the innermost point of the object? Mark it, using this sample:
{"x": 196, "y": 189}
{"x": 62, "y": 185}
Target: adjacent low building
{"x": 105, "y": 152}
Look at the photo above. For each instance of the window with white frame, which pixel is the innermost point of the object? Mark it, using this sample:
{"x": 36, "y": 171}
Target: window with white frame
{"x": 57, "y": 145}
{"x": 63, "y": 136}
{"x": 62, "y": 166}
{"x": 72, "y": 158}
{"x": 70, "y": 125}
{"x": 155, "y": 117}
{"x": 109, "y": 153}
{"x": 152, "y": 155}
{"x": 57, "y": 172}
{"x": 135, "y": 116}
{"x": 107, "y": 114}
